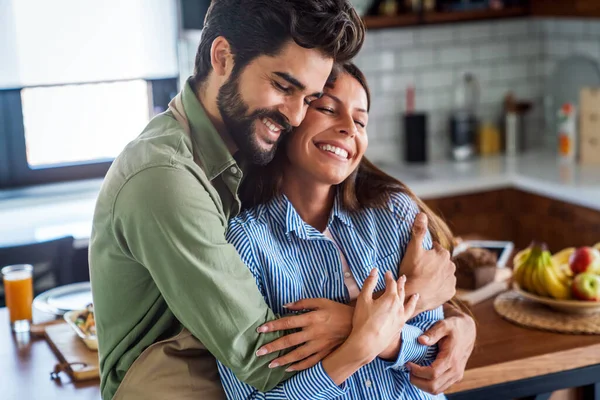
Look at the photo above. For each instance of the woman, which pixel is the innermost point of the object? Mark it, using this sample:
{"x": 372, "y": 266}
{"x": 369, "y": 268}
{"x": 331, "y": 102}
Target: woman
{"x": 322, "y": 221}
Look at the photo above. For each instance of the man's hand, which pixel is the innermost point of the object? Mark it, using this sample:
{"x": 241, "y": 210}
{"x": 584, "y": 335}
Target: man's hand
{"x": 325, "y": 327}
{"x": 429, "y": 272}
{"x": 455, "y": 337}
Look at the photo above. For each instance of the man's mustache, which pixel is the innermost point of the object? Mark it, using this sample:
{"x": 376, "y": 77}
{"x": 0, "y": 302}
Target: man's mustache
{"x": 274, "y": 116}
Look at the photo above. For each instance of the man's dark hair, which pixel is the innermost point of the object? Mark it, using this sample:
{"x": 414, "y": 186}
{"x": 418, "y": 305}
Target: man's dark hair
{"x": 261, "y": 27}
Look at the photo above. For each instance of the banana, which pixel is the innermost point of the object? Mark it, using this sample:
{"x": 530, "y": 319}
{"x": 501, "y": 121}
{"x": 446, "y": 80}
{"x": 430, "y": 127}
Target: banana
{"x": 540, "y": 284}
{"x": 562, "y": 257}
{"x": 519, "y": 267}
{"x": 555, "y": 287}
{"x": 597, "y": 246}
{"x": 528, "y": 277}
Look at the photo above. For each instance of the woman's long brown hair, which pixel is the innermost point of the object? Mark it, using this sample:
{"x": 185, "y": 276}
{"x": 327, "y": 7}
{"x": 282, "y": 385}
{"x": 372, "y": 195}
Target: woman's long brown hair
{"x": 366, "y": 187}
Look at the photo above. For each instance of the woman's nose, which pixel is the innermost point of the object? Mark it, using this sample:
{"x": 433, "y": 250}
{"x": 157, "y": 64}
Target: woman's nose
{"x": 348, "y": 127}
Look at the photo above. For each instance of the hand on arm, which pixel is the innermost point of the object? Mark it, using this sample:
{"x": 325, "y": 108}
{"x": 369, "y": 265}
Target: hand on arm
{"x": 428, "y": 272}
{"x": 455, "y": 336}
{"x": 326, "y": 326}
{"x": 376, "y": 322}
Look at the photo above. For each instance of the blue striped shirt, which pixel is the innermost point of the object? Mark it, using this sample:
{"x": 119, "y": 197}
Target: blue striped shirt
{"x": 291, "y": 260}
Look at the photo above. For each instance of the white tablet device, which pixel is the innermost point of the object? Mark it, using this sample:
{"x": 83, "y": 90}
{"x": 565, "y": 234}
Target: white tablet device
{"x": 502, "y": 249}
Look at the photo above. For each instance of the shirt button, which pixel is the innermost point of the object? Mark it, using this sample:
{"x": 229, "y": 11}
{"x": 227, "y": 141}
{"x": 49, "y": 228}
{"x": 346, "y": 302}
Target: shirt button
{"x": 368, "y": 383}
{"x": 233, "y": 170}
{"x": 347, "y": 274}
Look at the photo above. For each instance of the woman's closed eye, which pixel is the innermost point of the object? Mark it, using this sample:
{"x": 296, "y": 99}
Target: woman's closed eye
{"x": 326, "y": 110}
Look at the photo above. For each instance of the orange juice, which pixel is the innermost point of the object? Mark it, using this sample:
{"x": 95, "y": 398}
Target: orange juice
{"x": 18, "y": 290}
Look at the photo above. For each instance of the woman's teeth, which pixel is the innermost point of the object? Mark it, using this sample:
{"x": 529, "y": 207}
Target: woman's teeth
{"x": 335, "y": 150}
{"x": 270, "y": 125}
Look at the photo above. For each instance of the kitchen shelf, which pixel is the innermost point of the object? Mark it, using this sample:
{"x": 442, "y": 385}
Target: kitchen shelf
{"x": 379, "y": 22}
{"x": 384, "y": 21}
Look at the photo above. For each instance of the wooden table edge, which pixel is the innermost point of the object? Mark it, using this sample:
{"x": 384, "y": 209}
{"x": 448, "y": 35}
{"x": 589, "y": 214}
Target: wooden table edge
{"x": 528, "y": 368}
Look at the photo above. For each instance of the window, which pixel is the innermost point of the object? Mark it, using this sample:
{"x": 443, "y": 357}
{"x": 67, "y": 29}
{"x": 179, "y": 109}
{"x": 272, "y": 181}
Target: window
{"x": 81, "y": 123}
{"x": 78, "y": 81}
{"x": 70, "y": 132}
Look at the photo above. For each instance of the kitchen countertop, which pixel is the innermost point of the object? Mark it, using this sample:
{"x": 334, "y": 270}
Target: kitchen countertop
{"x": 538, "y": 173}
{"x": 37, "y": 214}
{"x": 497, "y": 369}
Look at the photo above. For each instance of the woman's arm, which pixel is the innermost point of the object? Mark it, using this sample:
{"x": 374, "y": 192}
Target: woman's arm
{"x": 372, "y": 325}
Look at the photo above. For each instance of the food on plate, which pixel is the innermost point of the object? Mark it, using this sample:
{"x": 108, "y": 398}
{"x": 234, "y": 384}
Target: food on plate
{"x": 585, "y": 259}
{"x": 475, "y": 267}
{"x": 586, "y": 286}
{"x": 86, "y": 322}
{"x": 536, "y": 272}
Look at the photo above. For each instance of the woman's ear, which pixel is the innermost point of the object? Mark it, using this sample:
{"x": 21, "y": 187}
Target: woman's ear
{"x": 221, "y": 57}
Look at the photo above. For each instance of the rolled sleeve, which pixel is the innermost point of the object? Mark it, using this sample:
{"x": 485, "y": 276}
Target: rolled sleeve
{"x": 314, "y": 383}
{"x": 411, "y": 350}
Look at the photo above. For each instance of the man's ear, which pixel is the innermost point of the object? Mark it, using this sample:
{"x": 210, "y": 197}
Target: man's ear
{"x": 221, "y": 57}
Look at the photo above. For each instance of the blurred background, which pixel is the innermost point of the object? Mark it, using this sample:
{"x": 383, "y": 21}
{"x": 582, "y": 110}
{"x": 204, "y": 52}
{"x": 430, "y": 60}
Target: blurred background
{"x": 487, "y": 109}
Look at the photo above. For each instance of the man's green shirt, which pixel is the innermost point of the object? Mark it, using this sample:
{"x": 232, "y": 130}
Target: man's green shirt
{"x": 159, "y": 260}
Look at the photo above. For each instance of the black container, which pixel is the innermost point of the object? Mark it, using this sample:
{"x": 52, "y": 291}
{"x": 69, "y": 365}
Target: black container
{"x": 415, "y": 138}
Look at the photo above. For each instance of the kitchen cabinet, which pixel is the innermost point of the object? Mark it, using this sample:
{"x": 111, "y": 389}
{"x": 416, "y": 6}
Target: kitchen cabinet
{"x": 510, "y": 214}
{"x": 565, "y": 8}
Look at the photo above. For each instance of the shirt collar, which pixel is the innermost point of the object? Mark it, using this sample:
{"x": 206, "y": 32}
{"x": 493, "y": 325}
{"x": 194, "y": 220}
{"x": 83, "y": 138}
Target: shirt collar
{"x": 208, "y": 143}
{"x": 286, "y": 216}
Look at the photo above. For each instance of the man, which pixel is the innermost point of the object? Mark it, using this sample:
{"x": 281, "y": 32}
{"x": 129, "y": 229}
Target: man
{"x": 170, "y": 293}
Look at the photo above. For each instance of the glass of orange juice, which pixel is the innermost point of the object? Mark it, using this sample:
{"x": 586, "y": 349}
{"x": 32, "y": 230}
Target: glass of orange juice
{"x": 18, "y": 290}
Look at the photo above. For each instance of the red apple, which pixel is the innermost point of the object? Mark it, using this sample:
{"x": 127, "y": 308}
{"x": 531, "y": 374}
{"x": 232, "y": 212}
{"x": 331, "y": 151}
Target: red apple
{"x": 585, "y": 259}
{"x": 586, "y": 286}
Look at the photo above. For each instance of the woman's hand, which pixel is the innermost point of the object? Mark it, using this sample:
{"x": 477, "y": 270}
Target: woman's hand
{"x": 376, "y": 322}
{"x": 429, "y": 272}
{"x": 379, "y": 322}
{"x": 324, "y": 328}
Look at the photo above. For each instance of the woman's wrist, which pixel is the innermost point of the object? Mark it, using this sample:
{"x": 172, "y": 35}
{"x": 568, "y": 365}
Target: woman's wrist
{"x": 391, "y": 352}
{"x": 352, "y": 355}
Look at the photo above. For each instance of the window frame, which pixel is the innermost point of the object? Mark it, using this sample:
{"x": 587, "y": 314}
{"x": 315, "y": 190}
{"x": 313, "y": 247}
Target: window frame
{"x": 14, "y": 168}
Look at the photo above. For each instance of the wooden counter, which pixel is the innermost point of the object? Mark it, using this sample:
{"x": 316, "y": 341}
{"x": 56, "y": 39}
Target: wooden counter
{"x": 507, "y": 360}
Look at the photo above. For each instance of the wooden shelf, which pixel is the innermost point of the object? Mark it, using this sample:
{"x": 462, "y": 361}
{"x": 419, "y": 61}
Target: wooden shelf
{"x": 379, "y": 22}
{"x": 456, "y": 16}
{"x": 383, "y": 21}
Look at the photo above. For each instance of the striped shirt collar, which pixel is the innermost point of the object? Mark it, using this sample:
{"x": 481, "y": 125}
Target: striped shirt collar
{"x": 283, "y": 212}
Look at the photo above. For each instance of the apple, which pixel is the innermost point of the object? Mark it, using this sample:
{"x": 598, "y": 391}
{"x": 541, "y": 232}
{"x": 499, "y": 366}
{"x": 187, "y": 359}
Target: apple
{"x": 585, "y": 259}
{"x": 586, "y": 286}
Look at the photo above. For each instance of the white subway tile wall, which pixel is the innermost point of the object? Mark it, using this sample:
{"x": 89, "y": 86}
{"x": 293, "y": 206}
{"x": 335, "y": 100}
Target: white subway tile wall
{"x": 504, "y": 56}
{"x": 565, "y": 38}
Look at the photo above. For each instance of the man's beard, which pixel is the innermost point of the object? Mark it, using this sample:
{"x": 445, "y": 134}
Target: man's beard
{"x": 241, "y": 126}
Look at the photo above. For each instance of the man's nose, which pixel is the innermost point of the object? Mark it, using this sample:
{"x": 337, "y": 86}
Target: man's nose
{"x": 295, "y": 111}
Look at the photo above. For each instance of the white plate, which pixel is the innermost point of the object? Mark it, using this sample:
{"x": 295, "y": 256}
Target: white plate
{"x": 91, "y": 341}
{"x": 567, "y": 306}
{"x": 59, "y": 300}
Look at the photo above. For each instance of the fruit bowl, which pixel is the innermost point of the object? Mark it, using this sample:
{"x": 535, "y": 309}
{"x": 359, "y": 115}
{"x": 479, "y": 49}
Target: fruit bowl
{"x": 567, "y": 306}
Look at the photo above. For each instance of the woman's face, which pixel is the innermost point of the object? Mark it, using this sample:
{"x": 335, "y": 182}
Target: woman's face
{"x": 332, "y": 139}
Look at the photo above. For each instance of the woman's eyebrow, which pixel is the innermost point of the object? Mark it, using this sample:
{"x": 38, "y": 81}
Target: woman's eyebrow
{"x": 337, "y": 100}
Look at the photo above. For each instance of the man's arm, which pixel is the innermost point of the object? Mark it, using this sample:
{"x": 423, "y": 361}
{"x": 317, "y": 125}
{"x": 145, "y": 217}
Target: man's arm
{"x": 165, "y": 220}
{"x": 455, "y": 336}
